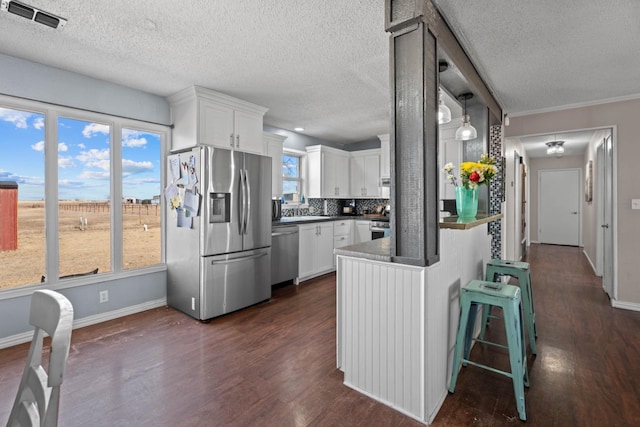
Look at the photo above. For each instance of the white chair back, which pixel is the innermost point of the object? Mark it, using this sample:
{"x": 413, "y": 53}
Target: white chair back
{"x": 38, "y": 394}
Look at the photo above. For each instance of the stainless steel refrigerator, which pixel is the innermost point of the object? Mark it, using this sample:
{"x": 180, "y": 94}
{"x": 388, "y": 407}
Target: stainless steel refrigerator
{"x": 218, "y": 252}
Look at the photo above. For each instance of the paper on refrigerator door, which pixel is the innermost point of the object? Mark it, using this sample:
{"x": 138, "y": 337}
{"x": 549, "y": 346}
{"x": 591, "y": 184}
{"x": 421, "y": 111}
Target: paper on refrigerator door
{"x": 184, "y": 221}
{"x": 192, "y": 202}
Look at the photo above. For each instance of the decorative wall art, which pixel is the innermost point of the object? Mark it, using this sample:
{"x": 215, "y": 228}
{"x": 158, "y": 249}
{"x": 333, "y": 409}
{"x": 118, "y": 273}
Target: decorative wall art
{"x": 588, "y": 182}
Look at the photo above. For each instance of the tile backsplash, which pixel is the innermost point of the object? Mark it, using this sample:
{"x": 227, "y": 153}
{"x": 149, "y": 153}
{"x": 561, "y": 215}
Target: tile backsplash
{"x": 334, "y": 207}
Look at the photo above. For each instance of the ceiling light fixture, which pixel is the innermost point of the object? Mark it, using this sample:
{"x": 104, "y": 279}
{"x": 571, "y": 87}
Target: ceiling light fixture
{"x": 33, "y": 14}
{"x": 299, "y": 129}
{"x": 444, "y": 113}
{"x": 466, "y": 131}
{"x": 555, "y": 148}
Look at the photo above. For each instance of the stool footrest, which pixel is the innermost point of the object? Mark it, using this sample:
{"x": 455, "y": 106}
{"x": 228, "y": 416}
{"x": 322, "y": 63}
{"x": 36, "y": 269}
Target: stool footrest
{"x": 489, "y": 368}
{"x": 490, "y": 343}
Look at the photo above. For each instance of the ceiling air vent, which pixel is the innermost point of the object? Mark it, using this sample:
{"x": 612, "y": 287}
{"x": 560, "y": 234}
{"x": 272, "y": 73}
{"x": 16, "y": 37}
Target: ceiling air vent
{"x": 32, "y": 14}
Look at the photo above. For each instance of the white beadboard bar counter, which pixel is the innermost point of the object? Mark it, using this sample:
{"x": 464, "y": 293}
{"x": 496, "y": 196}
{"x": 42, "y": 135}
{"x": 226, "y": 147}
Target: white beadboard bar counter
{"x": 396, "y": 323}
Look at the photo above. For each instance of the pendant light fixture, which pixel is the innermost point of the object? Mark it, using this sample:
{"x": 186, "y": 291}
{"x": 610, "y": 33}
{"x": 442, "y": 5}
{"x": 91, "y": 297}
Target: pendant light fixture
{"x": 555, "y": 148}
{"x": 444, "y": 113}
{"x": 466, "y": 131}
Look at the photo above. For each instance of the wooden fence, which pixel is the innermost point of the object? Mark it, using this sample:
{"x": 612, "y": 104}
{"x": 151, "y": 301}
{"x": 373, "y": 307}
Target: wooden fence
{"x": 103, "y": 207}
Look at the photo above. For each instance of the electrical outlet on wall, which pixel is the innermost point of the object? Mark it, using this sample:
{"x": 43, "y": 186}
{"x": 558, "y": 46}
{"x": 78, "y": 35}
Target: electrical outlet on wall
{"x": 104, "y": 296}
{"x": 635, "y": 203}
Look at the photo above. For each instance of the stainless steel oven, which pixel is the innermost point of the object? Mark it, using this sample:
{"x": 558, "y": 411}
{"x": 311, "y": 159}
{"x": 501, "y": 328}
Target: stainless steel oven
{"x": 379, "y": 229}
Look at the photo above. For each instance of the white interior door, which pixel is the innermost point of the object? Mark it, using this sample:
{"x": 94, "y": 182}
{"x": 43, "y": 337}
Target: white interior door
{"x": 607, "y": 224}
{"x": 559, "y": 206}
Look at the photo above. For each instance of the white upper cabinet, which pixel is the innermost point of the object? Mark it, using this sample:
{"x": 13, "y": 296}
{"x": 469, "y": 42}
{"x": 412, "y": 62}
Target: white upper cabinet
{"x": 203, "y": 116}
{"x": 273, "y": 148}
{"x": 385, "y": 156}
{"x": 327, "y": 172}
{"x": 365, "y": 173}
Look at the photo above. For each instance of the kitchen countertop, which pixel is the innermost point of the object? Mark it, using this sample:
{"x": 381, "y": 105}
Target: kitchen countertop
{"x": 380, "y": 249}
{"x": 456, "y": 223}
{"x": 376, "y": 250}
{"x": 291, "y": 220}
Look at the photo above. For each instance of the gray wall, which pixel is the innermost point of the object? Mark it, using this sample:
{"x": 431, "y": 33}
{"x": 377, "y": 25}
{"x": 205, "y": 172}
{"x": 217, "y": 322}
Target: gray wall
{"x": 34, "y": 81}
{"x": 39, "y": 82}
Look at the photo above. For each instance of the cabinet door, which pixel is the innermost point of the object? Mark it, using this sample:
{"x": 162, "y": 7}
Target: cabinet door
{"x": 215, "y": 124}
{"x": 342, "y": 176}
{"x": 371, "y": 175}
{"x": 306, "y": 249}
{"x": 329, "y": 183}
{"x": 357, "y": 173}
{"x": 324, "y": 246}
{"x": 248, "y": 132}
{"x": 363, "y": 232}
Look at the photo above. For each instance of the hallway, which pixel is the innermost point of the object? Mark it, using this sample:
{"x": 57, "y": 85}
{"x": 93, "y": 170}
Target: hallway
{"x": 586, "y": 372}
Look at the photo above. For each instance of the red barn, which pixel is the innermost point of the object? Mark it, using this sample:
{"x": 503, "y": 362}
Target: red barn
{"x": 8, "y": 216}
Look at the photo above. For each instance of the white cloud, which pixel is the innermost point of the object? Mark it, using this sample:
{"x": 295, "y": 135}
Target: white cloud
{"x": 18, "y": 118}
{"x": 134, "y": 142}
{"x": 65, "y": 162}
{"x": 94, "y": 175}
{"x": 130, "y": 167}
{"x": 95, "y": 158}
{"x": 92, "y": 129}
{"x": 38, "y": 146}
{"x": 63, "y": 147}
{"x": 38, "y": 123}
{"x": 81, "y": 145}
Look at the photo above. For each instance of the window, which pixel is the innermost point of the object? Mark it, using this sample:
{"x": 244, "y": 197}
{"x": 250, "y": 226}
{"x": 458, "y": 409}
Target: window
{"x": 84, "y": 194}
{"x": 92, "y": 180}
{"x": 291, "y": 177}
{"x": 141, "y": 210}
{"x": 22, "y": 219}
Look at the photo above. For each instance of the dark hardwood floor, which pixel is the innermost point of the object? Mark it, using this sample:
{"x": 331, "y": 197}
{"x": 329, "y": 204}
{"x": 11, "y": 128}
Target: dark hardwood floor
{"x": 274, "y": 364}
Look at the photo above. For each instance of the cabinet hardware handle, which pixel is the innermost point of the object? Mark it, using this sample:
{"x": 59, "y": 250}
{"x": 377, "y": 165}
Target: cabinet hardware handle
{"x": 231, "y": 140}
{"x": 238, "y": 140}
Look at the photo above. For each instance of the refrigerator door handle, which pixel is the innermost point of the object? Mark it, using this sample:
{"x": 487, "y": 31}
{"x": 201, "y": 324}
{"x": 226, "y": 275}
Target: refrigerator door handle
{"x": 243, "y": 202}
{"x": 228, "y": 261}
{"x": 247, "y": 184}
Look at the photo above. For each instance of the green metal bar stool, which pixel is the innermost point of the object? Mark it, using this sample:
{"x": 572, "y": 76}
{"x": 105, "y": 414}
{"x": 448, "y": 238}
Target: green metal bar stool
{"x": 520, "y": 271}
{"x": 507, "y": 297}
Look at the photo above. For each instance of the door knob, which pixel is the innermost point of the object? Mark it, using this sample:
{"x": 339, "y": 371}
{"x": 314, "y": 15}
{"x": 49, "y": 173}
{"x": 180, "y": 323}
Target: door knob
{"x": 574, "y": 213}
{"x": 605, "y": 226}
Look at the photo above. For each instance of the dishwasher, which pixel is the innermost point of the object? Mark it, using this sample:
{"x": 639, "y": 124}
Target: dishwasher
{"x": 284, "y": 253}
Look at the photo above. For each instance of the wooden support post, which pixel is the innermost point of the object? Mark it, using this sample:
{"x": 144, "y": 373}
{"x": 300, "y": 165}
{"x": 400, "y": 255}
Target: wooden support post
{"x": 414, "y": 135}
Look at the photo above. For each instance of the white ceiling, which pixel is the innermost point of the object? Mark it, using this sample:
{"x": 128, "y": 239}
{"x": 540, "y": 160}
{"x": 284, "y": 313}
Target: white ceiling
{"x": 323, "y": 64}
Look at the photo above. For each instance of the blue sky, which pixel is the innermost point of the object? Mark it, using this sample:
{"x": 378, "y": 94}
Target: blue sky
{"x": 83, "y": 158}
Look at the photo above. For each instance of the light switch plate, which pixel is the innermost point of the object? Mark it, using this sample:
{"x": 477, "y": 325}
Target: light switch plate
{"x": 635, "y": 203}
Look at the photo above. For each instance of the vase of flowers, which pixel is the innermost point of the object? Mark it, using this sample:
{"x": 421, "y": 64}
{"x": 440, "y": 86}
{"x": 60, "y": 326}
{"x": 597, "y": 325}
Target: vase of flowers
{"x": 472, "y": 174}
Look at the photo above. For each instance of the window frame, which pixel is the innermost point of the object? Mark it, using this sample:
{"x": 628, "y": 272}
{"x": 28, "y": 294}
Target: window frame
{"x": 51, "y": 114}
{"x": 302, "y": 156}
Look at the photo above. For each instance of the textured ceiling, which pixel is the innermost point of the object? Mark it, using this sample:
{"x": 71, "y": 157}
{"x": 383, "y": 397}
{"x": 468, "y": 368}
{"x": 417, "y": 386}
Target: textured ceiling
{"x": 323, "y": 64}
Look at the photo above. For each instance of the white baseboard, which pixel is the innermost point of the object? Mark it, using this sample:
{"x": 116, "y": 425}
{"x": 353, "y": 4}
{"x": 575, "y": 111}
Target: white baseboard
{"x": 593, "y": 267}
{"x": 633, "y": 306}
{"x": 89, "y": 320}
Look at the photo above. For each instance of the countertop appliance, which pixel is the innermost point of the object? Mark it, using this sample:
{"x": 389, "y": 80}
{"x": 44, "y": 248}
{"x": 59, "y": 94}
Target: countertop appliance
{"x": 219, "y": 257}
{"x": 379, "y": 228}
{"x": 284, "y": 253}
{"x": 276, "y": 209}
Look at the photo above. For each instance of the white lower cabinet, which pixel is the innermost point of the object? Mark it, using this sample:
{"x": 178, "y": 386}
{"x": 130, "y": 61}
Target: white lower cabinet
{"x": 342, "y": 235}
{"x": 315, "y": 249}
{"x": 362, "y": 232}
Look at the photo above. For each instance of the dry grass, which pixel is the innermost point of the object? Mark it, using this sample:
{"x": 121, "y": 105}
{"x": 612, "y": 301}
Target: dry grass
{"x": 81, "y": 249}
